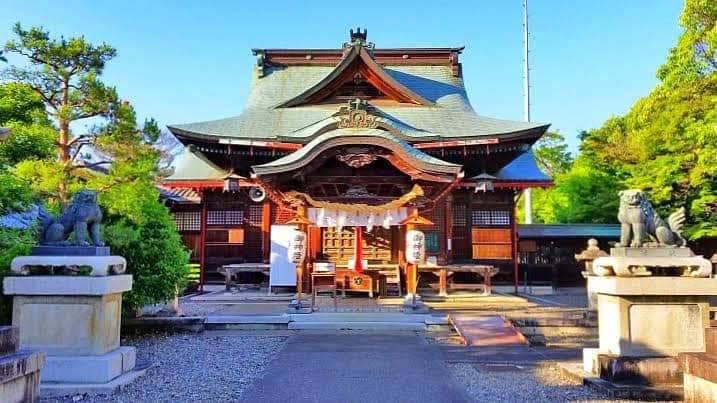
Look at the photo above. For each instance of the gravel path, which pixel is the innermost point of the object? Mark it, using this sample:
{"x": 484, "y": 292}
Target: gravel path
{"x": 195, "y": 367}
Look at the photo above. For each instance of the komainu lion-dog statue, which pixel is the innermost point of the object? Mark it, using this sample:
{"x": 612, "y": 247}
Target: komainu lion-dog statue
{"x": 82, "y": 217}
{"x": 640, "y": 223}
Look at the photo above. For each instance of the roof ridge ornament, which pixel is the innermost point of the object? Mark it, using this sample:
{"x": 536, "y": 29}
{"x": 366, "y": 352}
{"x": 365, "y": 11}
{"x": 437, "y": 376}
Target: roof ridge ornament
{"x": 356, "y": 115}
{"x": 358, "y": 40}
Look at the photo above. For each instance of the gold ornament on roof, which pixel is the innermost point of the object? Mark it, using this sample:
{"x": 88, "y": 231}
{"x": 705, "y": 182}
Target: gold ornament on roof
{"x": 356, "y": 116}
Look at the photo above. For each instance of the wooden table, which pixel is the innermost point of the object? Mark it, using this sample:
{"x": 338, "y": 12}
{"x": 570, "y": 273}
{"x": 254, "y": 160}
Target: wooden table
{"x": 446, "y": 270}
{"x": 323, "y": 281}
{"x": 230, "y": 270}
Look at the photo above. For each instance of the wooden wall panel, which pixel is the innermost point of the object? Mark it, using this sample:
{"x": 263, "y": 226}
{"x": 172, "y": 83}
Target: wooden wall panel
{"x": 490, "y": 235}
{"x": 492, "y": 251}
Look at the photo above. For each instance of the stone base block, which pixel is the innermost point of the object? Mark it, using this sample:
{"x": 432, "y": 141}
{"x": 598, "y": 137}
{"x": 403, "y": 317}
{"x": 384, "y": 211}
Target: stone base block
{"x": 67, "y": 315}
{"x": 89, "y": 368}
{"x": 653, "y": 316}
{"x": 590, "y": 361}
{"x": 59, "y": 389}
{"x": 640, "y": 370}
{"x": 698, "y": 390}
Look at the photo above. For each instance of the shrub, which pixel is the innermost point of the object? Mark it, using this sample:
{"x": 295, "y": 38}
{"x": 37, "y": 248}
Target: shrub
{"x": 155, "y": 256}
{"x": 12, "y": 243}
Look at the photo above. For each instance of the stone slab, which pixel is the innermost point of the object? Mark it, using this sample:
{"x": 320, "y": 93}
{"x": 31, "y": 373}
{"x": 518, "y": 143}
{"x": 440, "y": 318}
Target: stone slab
{"x": 47, "y": 250}
{"x": 483, "y": 330}
{"x": 101, "y": 265}
{"x": 653, "y": 285}
{"x": 9, "y": 339}
{"x": 693, "y": 266}
{"x": 89, "y": 368}
{"x": 66, "y": 285}
{"x": 651, "y": 252}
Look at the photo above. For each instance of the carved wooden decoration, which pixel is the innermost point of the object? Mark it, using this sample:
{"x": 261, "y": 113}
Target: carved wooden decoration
{"x": 357, "y": 160}
{"x": 356, "y": 116}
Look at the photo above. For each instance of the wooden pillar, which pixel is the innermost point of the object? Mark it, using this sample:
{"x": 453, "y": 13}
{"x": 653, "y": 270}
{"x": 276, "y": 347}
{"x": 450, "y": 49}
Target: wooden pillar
{"x": 514, "y": 245}
{"x": 266, "y": 230}
{"x": 202, "y": 239}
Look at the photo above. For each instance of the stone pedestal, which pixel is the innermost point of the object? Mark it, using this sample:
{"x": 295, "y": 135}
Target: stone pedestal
{"x": 76, "y": 320}
{"x": 19, "y": 370}
{"x": 645, "y": 320}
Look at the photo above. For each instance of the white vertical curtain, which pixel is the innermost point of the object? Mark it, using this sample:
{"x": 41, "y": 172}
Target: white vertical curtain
{"x": 333, "y": 218}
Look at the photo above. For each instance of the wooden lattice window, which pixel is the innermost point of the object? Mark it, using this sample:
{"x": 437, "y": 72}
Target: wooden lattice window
{"x": 225, "y": 217}
{"x": 187, "y": 221}
{"x": 460, "y": 218}
{"x": 488, "y": 218}
{"x": 255, "y": 215}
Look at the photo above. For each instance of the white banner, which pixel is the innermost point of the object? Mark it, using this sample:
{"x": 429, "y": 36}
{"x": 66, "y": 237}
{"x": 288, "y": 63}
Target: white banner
{"x": 330, "y": 218}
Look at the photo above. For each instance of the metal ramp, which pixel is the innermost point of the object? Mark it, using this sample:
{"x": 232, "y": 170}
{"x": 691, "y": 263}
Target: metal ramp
{"x": 485, "y": 330}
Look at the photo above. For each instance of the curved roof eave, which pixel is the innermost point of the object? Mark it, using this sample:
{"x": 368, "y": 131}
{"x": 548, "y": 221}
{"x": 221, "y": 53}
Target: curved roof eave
{"x": 340, "y": 137}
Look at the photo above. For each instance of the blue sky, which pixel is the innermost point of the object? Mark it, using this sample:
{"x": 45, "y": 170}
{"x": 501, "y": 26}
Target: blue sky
{"x": 181, "y": 61}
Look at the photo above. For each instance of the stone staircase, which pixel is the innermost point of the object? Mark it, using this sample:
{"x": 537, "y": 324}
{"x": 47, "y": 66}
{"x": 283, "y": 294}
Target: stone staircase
{"x": 569, "y": 329}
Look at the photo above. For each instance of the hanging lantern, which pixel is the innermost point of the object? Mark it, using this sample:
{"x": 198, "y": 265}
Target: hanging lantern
{"x": 415, "y": 246}
{"x": 296, "y": 251}
{"x": 231, "y": 184}
{"x": 484, "y": 182}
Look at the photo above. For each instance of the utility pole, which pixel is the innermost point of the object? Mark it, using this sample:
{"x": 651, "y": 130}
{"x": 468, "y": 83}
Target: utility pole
{"x": 526, "y": 105}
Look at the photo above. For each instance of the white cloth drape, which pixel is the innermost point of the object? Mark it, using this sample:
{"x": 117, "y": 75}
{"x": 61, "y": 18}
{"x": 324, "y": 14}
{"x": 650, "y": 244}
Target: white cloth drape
{"x": 330, "y": 218}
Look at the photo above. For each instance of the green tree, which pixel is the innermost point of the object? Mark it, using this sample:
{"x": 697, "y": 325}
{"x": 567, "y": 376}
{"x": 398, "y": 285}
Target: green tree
{"x": 666, "y": 144}
{"x": 552, "y": 155}
{"x": 64, "y": 73}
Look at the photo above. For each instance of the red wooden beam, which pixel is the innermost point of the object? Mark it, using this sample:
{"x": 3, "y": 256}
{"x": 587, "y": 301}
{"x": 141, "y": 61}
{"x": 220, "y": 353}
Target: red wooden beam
{"x": 202, "y": 241}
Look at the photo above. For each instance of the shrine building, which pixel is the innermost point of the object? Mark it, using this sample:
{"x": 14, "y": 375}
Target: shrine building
{"x": 354, "y": 140}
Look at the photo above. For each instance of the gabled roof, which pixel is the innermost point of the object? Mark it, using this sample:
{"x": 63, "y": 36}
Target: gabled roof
{"x": 192, "y": 165}
{"x": 357, "y": 59}
{"x": 443, "y": 110}
{"x": 374, "y": 137}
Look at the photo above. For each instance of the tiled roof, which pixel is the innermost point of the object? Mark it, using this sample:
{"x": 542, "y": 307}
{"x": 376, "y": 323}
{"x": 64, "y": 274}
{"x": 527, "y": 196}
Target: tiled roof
{"x": 20, "y": 220}
{"x": 569, "y": 231}
{"x": 179, "y": 195}
{"x": 192, "y": 165}
{"x": 451, "y": 116}
{"x": 523, "y": 168}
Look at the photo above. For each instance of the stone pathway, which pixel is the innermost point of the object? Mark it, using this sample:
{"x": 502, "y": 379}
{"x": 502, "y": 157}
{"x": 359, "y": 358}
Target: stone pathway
{"x": 357, "y": 367}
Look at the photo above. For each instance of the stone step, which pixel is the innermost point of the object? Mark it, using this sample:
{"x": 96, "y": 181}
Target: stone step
{"x": 356, "y": 325}
{"x": 559, "y": 331}
{"x": 9, "y": 337}
{"x": 359, "y": 317}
